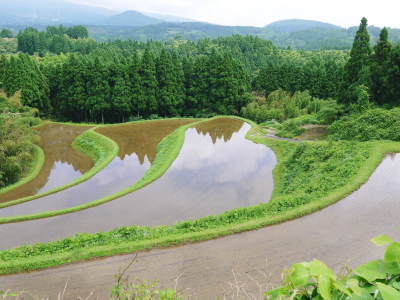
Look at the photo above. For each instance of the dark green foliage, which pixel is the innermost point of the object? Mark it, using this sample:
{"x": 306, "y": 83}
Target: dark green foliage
{"x": 380, "y": 63}
{"x": 21, "y": 73}
{"x": 15, "y": 140}
{"x": 374, "y": 124}
{"x": 114, "y": 85}
{"x": 356, "y": 70}
{"x": 55, "y": 40}
{"x": 312, "y": 36}
{"x": 6, "y": 33}
{"x": 170, "y": 91}
{"x": 77, "y": 32}
{"x": 149, "y": 82}
{"x": 318, "y": 72}
{"x": 393, "y": 76}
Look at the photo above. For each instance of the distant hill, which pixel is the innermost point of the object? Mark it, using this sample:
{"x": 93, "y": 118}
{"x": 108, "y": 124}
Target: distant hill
{"x": 131, "y": 18}
{"x": 105, "y": 24}
{"x": 20, "y": 13}
{"x": 293, "y": 25}
{"x": 168, "y": 18}
{"x": 314, "y": 38}
{"x": 165, "y": 31}
{"x": 47, "y": 12}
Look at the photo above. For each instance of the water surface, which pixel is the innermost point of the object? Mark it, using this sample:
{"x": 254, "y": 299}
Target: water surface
{"x": 63, "y": 164}
{"x": 138, "y": 143}
{"x": 218, "y": 169}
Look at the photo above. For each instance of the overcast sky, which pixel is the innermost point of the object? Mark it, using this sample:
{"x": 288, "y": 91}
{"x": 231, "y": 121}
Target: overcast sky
{"x": 262, "y": 12}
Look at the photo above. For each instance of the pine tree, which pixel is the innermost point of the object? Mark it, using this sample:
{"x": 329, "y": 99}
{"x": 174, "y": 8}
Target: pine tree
{"x": 138, "y": 102}
{"x": 393, "y": 71}
{"x": 170, "y": 86}
{"x": 73, "y": 91}
{"x": 179, "y": 85}
{"x": 120, "y": 92}
{"x": 356, "y": 72}
{"x": 98, "y": 90}
{"x": 380, "y": 63}
{"x": 149, "y": 82}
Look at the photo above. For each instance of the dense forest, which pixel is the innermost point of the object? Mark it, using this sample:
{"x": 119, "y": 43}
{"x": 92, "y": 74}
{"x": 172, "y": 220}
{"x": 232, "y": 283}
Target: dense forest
{"x": 68, "y": 76}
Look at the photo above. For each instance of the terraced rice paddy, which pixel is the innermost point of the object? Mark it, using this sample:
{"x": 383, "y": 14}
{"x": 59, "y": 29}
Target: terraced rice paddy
{"x": 217, "y": 169}
{"x": 138, "y": 144}
{"x": 63, "y": 164}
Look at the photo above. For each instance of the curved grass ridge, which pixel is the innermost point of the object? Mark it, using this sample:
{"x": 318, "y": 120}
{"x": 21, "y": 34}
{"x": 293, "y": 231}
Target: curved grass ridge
{"x": 34, "y": 169}
{"x": 101, "y": 149}
{"x": 118, "y": 241}
{"x": 167, "y": 151}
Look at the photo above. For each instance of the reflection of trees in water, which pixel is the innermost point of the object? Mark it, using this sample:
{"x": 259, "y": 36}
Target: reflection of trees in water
{"x": 56, "y": 141}
{"x": 220, "y": 128}
{"x": 141, "y": 138}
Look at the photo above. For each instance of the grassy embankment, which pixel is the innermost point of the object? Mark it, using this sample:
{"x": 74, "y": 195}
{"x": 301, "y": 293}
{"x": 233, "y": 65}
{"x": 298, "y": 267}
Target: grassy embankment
{"x": 301, "y": 169}
{"x": 34, "y": 169}
{"x": 167, "y": 151}
{"x": 99, "y": 148}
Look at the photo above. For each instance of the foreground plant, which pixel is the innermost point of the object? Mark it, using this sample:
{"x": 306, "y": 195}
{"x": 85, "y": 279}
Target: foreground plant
{"x": 378, "y": 279}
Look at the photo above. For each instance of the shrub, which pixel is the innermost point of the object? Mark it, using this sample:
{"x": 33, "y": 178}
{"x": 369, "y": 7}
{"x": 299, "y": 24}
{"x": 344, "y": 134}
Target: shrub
{"x": 378, "y": 279}
{"x": 373, "y": 124}
{"x": 281, "y": 105}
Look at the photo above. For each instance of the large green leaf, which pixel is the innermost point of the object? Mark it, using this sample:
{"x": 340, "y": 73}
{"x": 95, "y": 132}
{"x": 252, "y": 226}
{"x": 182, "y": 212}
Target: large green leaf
{"x": 299, "y": 276}
{"x": 277, "y": 293}
{"x": 372, "y": 270}
{"x": 382, "y": 240}
{"x": 318, "y": 268}
{"x": 353, "y": 285}
{"x": 392, "y": 253}
{"x": 324, "y": 286}
{"x": 364, "y": 296}
{"x": 387, "y": 292}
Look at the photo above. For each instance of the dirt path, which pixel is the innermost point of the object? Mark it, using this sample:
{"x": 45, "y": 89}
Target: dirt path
{"x": 338, "y": 235}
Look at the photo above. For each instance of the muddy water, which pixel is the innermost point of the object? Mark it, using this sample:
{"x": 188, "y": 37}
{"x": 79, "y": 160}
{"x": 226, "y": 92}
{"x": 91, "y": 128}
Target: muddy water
{"x": 138, "y": 144}
{"x": 339, "y": 235}
{"x": 63, "y": 164}
{"x": 216, "y": 170}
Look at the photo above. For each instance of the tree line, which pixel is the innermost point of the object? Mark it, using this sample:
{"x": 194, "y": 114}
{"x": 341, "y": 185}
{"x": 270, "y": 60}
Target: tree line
{"x": 118, "y": 86}
{"x": 123, "y": 80}
{"x": 54, "y": 40}
{"x": 371, "y": 74}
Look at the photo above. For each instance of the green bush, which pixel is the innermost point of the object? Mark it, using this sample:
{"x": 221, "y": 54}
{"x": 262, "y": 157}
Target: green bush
{"x": 373, "y": 124}
{"x": 378, "y": 279}
{"x": 281, "y": 105}
{"x": 15, "y": 149}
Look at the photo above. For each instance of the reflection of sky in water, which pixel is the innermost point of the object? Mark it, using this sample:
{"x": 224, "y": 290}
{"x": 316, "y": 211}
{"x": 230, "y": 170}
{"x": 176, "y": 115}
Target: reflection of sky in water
{"x": 118, "y": 175}
{"x": 219, "y": 161}
{"x": 61, "y": 173}
{"x": 205, "y": 179}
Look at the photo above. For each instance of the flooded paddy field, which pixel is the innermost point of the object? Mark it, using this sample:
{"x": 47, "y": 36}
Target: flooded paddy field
{"x": 338, "y": 235}
{"x": 62, "y": 165}
{"x": 138, "y": 143}
{"x": 217, "y": 169}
